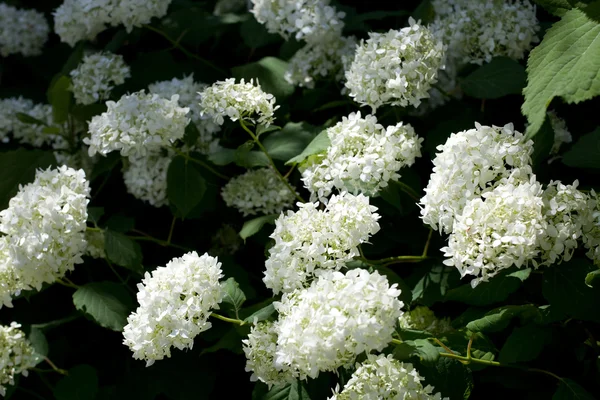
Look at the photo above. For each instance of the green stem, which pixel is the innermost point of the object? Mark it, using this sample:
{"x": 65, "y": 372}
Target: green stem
{"x": 201, "y": 163}
{"x": 171, "y": 230}
{"x": 408, "y": 190}
{"x": 57, "y": 322}
{"x": 55, "y": 368}
{"x": 230, "y": 320}
{"x": 67, "y": 284}
{"x": 394, "y": 260}
{"x": 160, "y": 242}
{"x": 93, "y": 229}
{"x": 426, "y": 249}
{"x": 262, "y": 148}
{"x": 186, "y": 51}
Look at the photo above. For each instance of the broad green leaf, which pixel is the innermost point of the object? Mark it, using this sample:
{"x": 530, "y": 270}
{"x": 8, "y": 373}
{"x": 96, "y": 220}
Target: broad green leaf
{"x": 60, "y": 98}
{"x": 499, "y": 318}
{"x": 40, "y": 345}
{"x": 245, "y": 157}
{"x": 495, "y": 291}
{"x": 222, "y": 157}
{"x": 559, "y": 7}
{"x": 95, "y": 213}
{"x": 191, "y": 135}
{"x": 566, "y": 64}
{"x": 585, "y": 153}
{"x": 289, "y": 141}
{"x": 185, "y": 185}
{"x": 28, "y": 119}
{"x": 269, "y": 73}
{"x": 592, "y": 279}
{"x": 290, "y": 391}
{"x": 449, "y": 377}
{"x": 18, "y": 167}
{"x": 318, "y": 144}
{"x": 108, "y": 303}
{"x": 80, "y": 384}
{"x": 123, "y": 251}
{"x": 234, "y": 297}
{"x": 500, "y": 77}
{"x": 571, "y": 390}
{"x": 565, "y": 289}
{"x": 261, "y": 315}
{"x": 432, "y": 284}
{"x": 525, "y": 344}
{"x": 421, "y": 348}
{"x": 252, "y": 226}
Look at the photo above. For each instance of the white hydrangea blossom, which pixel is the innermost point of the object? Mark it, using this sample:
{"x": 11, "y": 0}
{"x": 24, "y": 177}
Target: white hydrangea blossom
{"x": 470, "y": 163}
{"x": 478, "y": 30}
{"x": 340, "y": 316}
{"x": 45, "y": 227}
{"x": 327, "y": 58}
{"x": 189, "y": 96}
{"x": 382, "y": 377}
{"x": 175, "y": 303}
{"x": 237, "y": 101}
{"x": 307, "y": 20}
{"x": 309, "y": 241}
{"x": 591, "y": 227}
{"x": 95, "y": 244}
{"x": 146, "y": 177}
{"x": 502, "y": 229}
{"x": 561, "y": 133}
{"x": 362, "y": 158}
{"x": 135, "y": 13}
{"x": 97, "y": 75}
{"x": 16, "y": 355}
{"x": 22, "y": 31}
{"x": 136, "y": 124}
{"x": 423, "y": 319}
{"x": 258, "y": 191}
{"x": 260, "y": 348}
{"x": 396, "y": 67}
{"x": 76, "y": 20}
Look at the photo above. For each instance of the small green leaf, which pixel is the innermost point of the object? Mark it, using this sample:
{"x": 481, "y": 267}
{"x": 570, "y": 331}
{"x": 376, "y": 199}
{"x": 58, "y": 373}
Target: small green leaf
{"x": 498, "y": 78}
{"x": 261, "y": 315}
{"x": 289, "y": 391}
{"x": 262, "y": 129}
{"x": 40, "y": 344}
{"x": 232, "y": 341}
{"x": 222, "y": 157}
{"x": 185, "y": 185}
{"x": 234, "y": 297}
{"x": 123, "y": 251}
{"x": 191, "y": 135}
{"x": 585, "y": 153}
{"x": 421, "y": 348}
{"x": 245, "y": 157}
{"x": 28, "y": 119}
{"x": 499, "y": 318}
{"x": 571, "y": 390}
{"x": 320, "y": 143}
{"x": 525, "y": 344}
{"x": 433, "y": 283}
{"x": 108, "y": 303}
{"x": 80, "y": 384}
{"x": 252, "y": 226}
{"x": 289, "y": 141}
{"x": 269, "y": 73}
{"x": 60, "y": 98}
{"x": 592, "y": 279}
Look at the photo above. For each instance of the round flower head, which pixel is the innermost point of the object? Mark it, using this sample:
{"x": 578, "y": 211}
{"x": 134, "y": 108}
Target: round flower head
{"x": 326, "y": 58}
{"x": 95, "y": 244}
{"x": 175, "y": 303}
{"x": 307, "y": 20}
{"x": 310, "y": 240}
{"x": 241, "y": 100}
{"x": 136, "y": 124}
{"x": 382, "y": 377}
{"x": 16, "y": 355}
{"x": 591, "y": 227}
{"x": 135, "y": 13}
{"x": 258, "y": 191}
{"x": 396, "y": 67}
{"x": 76, "y": 20}
{"x": 260, "y": 348}
{"x": 45, "y": 227}
{"x": 22, "y": 31}
{"x": 189, "y": 96}
{"x": 561, "y": 133}
{"x": 97, "y": 75}
{"x": 340, "y": 316}
{"x": 422, "y": 318}
{"x": 470, "y": 163}
{"x": 362, "y": 158}
{"x": 146, "y": 177}
{"x": 503, "y": 229}
{"x": 478, "y": 30}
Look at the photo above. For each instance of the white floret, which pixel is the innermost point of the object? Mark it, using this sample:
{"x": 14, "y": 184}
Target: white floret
{"x": 22, "y": 31}
{"x": 97, "y": 75}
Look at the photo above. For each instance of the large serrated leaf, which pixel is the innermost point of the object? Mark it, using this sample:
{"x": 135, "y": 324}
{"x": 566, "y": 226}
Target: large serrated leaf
{"x": 185, "y": 185}
{"x": 289, "y": 391}
{"x": 320, "y": 143}
{"x": 499, "y": 318}
{"x": 449, "y": 377}
{"x": 123, "y": 251}
{"x": 234, "y": 297}
{"x": 269, "y": 73}
{"x": 108, "y": 303}
{"x": 289, "y": 141}
{"x": 525, "y": 344}
{"x": 500, "y": 77}
{"x": 496, "y": 290}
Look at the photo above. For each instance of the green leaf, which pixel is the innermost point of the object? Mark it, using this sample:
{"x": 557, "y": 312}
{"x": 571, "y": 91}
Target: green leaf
{"x": 252, "y": 226}
{"x": 449, "y": 377}
{"x": 565, "y": 289}
{"x": 222, "y": 157}
{"x": 585, "y": 153}
{"x": 234, "y": 297}
{"x": 191, "y": 135}
{"x": 123, "y": 251}
{"x": 28, "y": 119}
{"x": 245, "y": 157}
{"x": 262, "y": 129}
{"x": 269, "y": 72}
{"x": 290, "y": 391}
{"x": 525, "y": 344}
{"x": 495, "y": 291}
{"x": 80, "y": 384}
{"x": 261, "y": 315}
{"x": 500, "y": 77}
{"x": 18, "y": 167}
{"x": 394, "y": 278}
{"x": 108, "y": 303}
{"x": 433, "y": 283}
{"x": 565, "y": 64}
{"x": 320, "y": 143}
{"x": 592, "y": 279}
{"x": 95, "y": 213}
{"x": 420, "y": 348}
{"x": 40, "y": 344}
{"x": 499, "y": 318}
{"x": 74, "y": 59}
{"x": 185, "y": 185}
{"x": 232, "y": 341}
{"x": 559, "y": 7}
{"x": 290, "y": 141}
{"x": 571, "y": 390}
{"x": 60, "y": 98}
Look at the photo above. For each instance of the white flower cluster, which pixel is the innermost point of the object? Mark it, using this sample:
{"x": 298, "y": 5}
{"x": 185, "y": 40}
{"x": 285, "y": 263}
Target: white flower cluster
{"x": 327, "y": 58}
{"x": 136, "y": 124}
{"x": 16, "y": 355}
{"x": 146, "y": 177}
{"x": 307, "y": 20}
{"x": 470, "y": 163}
{"x": 95, "y": 244}
{"x": 561, "y": 133}
{"x": 189, "y": 96}
{"x": 478, "y": 30}
{"x": 385, "y": 378}
{"x": 309, "y": 241}
{"x": 44, "y": 227}
{"x": 175, "y": 303}
{"x": 422, "y": 318}
{"x": 258, "y": 191}
{"x": 396, "y": 67}
{"x": 362, "y": 158}
{"x": 22, "y": 31}
{"x": 77, "y": 20}
{"x": 97, "y": 75}
{"x": 591, "y": 227}
{"x": 237, "y": 101}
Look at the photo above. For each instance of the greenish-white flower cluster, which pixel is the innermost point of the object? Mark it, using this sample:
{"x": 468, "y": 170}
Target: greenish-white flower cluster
{"x": 97, "y": 75}
{"x": 22, "y": 31}
{"x": 591, "y": 227}
{"x": 95, "y": 244}
{"x": 145, "y": 176}
{"x": 421, "y": 318}
{"x": 16, "y": 355}
{"x": 561, "y": 133}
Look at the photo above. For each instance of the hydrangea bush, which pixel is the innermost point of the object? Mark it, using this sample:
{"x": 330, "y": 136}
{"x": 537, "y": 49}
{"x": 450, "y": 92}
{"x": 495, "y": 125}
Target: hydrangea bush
{"x": 299, "y": 199}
